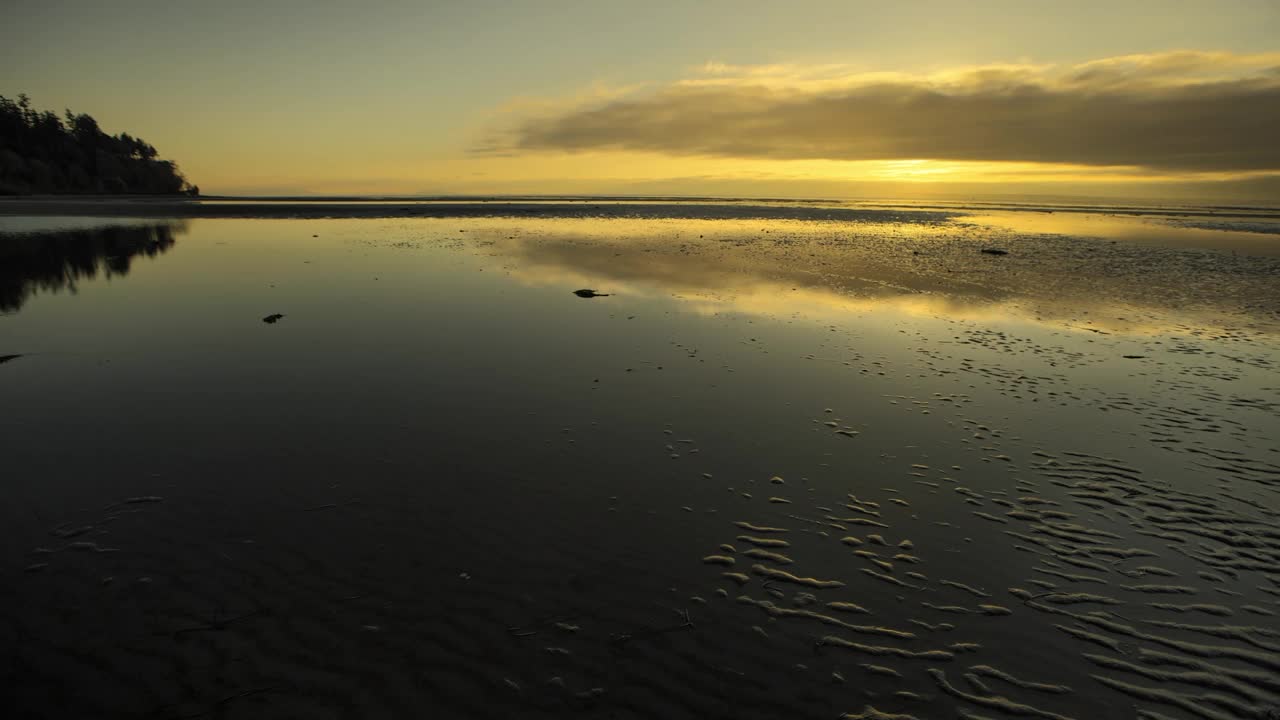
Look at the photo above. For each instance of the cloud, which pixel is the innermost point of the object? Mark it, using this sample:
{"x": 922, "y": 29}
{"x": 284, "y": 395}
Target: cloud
{"x": 1179, "y": 111}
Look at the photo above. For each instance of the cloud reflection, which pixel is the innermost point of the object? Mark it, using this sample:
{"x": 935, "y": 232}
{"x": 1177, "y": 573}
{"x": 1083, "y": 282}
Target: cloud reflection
{"x": 826, "y": 272}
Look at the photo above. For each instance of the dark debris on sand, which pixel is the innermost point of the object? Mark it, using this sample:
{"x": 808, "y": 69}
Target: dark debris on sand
{"x": 272, "y": 319}
{"x": 589, "y": 293}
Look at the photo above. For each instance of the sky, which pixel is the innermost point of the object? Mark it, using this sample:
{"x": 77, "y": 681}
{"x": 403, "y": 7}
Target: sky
{"x": 1169, "y": 99}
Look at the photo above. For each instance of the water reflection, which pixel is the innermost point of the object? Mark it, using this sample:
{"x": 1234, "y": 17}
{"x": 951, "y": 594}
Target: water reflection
{"x": 781, "y": 269}
{"x": 440, "y": 454}
{"x": 52, "y": 261}
{"x": 1254, "y": 236}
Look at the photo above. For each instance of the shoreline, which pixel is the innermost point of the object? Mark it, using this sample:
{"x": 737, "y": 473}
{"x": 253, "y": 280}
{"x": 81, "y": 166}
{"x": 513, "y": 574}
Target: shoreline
{"x": 214, "y": 206}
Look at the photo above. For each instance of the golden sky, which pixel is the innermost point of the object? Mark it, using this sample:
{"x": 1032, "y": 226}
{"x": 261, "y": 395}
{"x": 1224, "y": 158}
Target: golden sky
{"x": 1169, "y": 99}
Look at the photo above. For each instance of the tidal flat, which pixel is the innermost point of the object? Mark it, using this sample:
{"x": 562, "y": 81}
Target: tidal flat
{"x": 787, "y": 460}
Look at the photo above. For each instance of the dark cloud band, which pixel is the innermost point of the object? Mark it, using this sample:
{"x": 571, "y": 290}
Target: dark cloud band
{"x": 1088, "y": 118}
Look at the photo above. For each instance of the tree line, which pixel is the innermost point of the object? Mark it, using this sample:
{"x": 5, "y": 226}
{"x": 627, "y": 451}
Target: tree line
{"x": 41, "y": 152}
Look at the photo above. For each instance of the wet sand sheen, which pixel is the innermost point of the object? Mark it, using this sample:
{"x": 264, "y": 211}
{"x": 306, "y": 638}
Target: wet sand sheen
{"x": 456, "y": 485}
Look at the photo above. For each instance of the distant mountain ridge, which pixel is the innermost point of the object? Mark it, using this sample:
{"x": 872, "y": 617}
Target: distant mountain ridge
{"x": 41, "y": 153}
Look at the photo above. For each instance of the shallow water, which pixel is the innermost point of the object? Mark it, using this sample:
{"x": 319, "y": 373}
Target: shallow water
{"x": 941, "y": 482}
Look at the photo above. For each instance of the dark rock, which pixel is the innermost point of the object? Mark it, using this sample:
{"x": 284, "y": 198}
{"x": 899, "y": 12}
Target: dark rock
{"x": 7, "y": 358}
{"x": 271, "y": 319}
{"x": 588, "y": 293}
{"x": 994, "y": 251}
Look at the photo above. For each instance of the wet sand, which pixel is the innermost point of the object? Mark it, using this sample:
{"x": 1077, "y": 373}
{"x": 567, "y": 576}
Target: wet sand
{"x": 792, "y": 465}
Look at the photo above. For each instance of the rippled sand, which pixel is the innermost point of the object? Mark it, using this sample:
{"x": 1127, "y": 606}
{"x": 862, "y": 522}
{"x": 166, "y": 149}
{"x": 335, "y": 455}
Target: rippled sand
{"x": 791, "y": 466}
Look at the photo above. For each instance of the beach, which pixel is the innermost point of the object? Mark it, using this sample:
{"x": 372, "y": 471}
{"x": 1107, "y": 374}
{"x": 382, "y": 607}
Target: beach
{"x": 792, "y": 459}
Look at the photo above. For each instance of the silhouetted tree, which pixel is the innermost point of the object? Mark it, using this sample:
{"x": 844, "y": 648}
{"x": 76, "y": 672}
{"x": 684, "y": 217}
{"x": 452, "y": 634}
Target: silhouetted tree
{"x": 43, "y": 153}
